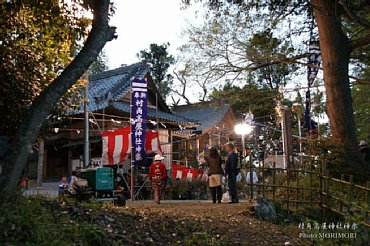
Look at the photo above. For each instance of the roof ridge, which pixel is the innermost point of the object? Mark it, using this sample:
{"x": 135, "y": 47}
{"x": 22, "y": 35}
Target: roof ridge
{"x": 199, "y": 105}
{"x": 115, "y": 71}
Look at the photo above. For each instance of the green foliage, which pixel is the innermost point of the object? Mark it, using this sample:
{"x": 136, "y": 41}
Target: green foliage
{"x": 255, "y": 99}
{"x": 36, "y": 221}
{"x": 184, "y": 188}
{"x": 261, "y": 50}
{"x": 363, "y": 232}
{"x": 361, "y": 108}
{"x": 158, "y": 60}
{"x": 100, "y": 65}
{"x": 38, "y": 39}
{"x": 200, "y": 238}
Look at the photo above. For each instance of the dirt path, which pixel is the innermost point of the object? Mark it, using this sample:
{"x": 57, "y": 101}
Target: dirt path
{"x": 204, "y": 223}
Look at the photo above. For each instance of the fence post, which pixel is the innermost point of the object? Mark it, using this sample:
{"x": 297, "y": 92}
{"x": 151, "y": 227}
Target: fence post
{"x": 288, "y": 189}
{"x": 273, "y": 180}
{"x": 329, "y": 200}
{"x": 263, "y": 178}
{"x": 321, "y": 187}
{"x": 349, "y": 195}
{"x": 251, "y": 176}
{"x": 367, "y": 192}
{"x": 311, "y": 184}
{"x": 297, "y": 193}
{"x": 367, "y": 197}
{"x": 342, "y": 190}
{"x": 325, "y": 172}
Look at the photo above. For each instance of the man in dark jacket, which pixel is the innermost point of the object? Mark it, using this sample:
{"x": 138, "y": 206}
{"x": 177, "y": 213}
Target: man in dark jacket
{"x": 231, "y": 170}
{"x": 365, "y": 150}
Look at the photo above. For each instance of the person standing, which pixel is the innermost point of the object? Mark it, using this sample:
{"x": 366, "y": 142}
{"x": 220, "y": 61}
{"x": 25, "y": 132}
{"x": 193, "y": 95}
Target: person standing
{"x": 215, "y": 173}
{"x": 231, "y": 170}
{"x": 157, "y": 176}
{"x": 365, "y": 150}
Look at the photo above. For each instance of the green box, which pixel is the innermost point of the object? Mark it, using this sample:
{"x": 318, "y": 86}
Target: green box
{"x": 99, "y": 179}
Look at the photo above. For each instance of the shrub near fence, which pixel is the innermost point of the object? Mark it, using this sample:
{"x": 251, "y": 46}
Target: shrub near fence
{"x": 312, "y": 188}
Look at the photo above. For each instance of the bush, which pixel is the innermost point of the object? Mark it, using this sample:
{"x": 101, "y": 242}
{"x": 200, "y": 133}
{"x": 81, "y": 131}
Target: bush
{"x": 186, "y": 189}
{"x": 25, "y": 220}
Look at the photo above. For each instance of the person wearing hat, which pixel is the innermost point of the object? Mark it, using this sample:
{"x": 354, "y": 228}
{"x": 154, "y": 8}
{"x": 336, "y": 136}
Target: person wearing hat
{"x": 365, "y": 150}
{"x": 157, "y": 176}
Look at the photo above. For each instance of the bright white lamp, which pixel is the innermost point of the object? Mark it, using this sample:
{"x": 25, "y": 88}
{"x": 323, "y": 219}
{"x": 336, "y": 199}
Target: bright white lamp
{"x": 242, "y": 129}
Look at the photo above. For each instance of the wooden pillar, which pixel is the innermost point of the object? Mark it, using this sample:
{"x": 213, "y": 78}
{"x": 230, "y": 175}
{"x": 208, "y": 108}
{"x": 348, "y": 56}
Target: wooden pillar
{"x": 170, "y": 138}
{"x": 69, "y": 161}
{"x": 40, "y": 162}
{"x": 287, "y": 140}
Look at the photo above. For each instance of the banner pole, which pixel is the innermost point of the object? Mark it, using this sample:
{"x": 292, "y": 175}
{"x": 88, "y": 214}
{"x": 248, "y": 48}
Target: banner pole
{"x": 156, "y": 112}
{"x": 131, "y": 152}
{"x": 86, "y": 151}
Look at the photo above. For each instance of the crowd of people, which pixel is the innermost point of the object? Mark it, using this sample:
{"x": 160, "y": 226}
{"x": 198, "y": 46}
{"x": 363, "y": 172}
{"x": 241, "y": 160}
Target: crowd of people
{"x": 216, "y": 172}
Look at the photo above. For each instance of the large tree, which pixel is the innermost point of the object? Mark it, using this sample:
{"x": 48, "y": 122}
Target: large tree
{"x": 43, "y": 104}
{"x": 35, "y": 46}
{"x": 343, "y": 28}
{"x": 159, "y": 60}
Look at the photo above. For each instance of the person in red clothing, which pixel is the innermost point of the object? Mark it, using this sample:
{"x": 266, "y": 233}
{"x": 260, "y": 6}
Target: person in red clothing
{"x": 158, "y": 176}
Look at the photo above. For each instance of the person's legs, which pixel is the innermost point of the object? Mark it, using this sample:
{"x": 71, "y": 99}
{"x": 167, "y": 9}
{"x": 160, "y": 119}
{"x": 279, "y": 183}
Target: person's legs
{"x": 219, "y": 193}
{"x": 236, "y": 198}
{"x": 161, "y": 186}
{"x": 232, "y": 187}
{"x": 155, "y": 190}
{"x": 212, "y": 187}
{"x": 213, "y": 192}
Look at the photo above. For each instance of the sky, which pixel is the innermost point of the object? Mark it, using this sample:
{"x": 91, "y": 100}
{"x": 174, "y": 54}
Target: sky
{"x": 142, "y": 22}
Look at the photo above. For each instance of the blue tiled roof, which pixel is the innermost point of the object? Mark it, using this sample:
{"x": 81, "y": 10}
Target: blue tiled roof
{"x": 206, "y": 114}
{"x": 125, "y": 107}
{"x": 113, "y": 85}
{"x": 109, "y": 88}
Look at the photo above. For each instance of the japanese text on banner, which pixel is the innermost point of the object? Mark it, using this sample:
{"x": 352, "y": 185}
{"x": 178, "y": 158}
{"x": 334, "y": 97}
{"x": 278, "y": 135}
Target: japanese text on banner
{"x": 139, "y": 118}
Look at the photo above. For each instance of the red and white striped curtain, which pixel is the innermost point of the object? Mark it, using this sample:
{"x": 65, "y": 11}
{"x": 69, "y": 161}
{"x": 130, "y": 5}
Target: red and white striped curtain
{"x": 117, "y": 145}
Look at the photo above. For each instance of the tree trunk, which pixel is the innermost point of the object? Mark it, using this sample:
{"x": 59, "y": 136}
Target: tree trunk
{"x": 27, "y": 133}
{"x": 335, "y": 51}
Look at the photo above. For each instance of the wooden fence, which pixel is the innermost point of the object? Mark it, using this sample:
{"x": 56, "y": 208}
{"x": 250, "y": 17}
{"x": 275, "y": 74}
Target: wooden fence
{"x": 313, "y": 187}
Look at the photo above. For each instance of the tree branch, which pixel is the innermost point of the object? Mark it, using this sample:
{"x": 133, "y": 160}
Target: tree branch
{"x": 357, "y": 43}
{"x": 354, "y": 17}
{"x": 183, "y": 83}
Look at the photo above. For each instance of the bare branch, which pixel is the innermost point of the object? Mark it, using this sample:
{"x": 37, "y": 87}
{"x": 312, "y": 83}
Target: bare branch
{"x": 183, "y": 82}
